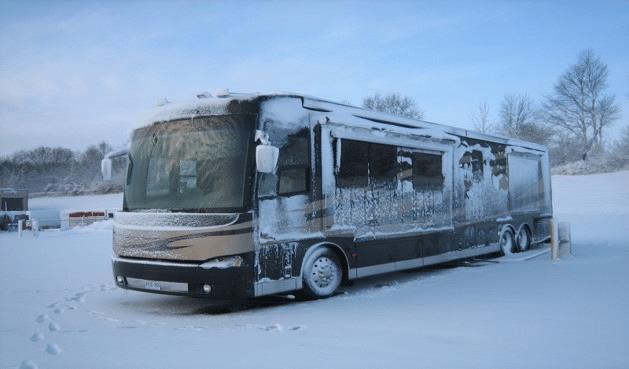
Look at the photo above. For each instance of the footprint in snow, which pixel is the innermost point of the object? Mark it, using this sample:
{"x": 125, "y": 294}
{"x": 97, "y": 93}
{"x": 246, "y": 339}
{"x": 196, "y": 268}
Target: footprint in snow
{"x": 38, "y": 337}
{"x": 296, "y": 328}
{"x": 58, "y": 311}
{"x": 53, "y": 349}
{"x": 42, "y": 318}
{"x": 273, "y": 327}
{"x": 53, "y": 327}
{"x": 78, "y": 297}
{"x": 71, "y": 307}
{"x": 28, "y": 364}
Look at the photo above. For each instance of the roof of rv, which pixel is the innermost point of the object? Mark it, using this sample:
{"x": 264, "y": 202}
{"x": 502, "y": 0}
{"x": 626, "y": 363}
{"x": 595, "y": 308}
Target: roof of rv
{"x": 218, "y": 105}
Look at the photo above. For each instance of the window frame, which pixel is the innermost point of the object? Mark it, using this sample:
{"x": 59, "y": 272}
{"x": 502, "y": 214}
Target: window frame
{"x": 278, "y": 173}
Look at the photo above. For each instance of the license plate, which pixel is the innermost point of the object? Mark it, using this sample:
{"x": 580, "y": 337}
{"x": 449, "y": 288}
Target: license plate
{"x": 152, "y": 285}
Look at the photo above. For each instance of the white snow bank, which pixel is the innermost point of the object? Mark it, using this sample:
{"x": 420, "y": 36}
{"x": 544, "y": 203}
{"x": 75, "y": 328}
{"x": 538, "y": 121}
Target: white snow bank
{"x": 77, "y": 203}
{"x": 604, "y": 194}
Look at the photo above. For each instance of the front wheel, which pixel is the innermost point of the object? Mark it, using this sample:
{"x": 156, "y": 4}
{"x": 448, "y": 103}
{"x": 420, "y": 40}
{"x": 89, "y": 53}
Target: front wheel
{"x": 322, "y": 274}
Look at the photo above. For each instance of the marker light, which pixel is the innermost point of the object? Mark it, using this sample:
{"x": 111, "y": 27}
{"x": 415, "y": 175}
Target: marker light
{"x": 207, "y": 288}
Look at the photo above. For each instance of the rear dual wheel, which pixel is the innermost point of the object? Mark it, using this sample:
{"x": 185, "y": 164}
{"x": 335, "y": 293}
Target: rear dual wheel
{"x": 510, "y": 243}
{"x": 507, "y": 242}
{"x": 523, "y": 239}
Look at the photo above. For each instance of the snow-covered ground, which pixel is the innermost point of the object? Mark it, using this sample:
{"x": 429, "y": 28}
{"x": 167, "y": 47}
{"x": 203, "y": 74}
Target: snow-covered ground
{"x": 59, "y": 307}
{"x": 77, "y": 203}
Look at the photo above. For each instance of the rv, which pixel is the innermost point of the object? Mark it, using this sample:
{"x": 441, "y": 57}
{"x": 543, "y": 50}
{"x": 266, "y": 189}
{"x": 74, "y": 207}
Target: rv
{"x": 245, "y": 195}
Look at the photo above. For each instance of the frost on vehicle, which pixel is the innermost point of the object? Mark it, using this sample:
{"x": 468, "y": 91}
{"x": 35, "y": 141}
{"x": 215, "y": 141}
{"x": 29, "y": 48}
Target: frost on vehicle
{"x": 253, "y": 194}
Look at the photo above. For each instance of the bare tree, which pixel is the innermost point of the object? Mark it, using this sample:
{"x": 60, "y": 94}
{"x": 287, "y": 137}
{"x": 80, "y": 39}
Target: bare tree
{"x": 579, "y": 104}
{"x": 393, "y": 103}
{"x": 620, "y": 150}
{"x": 519, "y": 118}
{"x": 481, "y": 119}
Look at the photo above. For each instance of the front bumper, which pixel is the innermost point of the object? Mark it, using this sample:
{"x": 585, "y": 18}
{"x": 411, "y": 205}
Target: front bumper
{"x": 183, "y": 278}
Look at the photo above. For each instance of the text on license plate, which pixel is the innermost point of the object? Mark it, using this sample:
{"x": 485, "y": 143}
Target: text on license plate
{"x": 152, "y": 285}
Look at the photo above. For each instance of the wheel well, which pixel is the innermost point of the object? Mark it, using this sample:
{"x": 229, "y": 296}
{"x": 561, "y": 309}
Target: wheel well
{"x": 337, "y": 250}
{"x": 507, "y": 227}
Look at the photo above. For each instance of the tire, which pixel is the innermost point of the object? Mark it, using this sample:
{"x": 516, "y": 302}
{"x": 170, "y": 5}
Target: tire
{"x": 523, "y": 239}
{"x": 322, "y": 274}
{"x": 507, "y": 242}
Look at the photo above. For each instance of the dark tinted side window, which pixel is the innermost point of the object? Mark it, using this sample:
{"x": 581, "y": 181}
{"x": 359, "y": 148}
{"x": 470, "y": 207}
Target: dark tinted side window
{"x": 383, "y": 164}
{"x": 294, "y": 165}
{"x": 293, "y": 180}
{"x": 293, "y": 169}
{"x": 474, "y": 161}
{"x": 427, "y": 171}
{"x": 364, "y": 164}
{"x": 354, "y": 166}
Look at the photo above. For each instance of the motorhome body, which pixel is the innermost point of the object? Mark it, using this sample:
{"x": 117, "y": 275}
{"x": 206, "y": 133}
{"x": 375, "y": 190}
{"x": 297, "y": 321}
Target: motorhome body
{"x": 354, "y": 193}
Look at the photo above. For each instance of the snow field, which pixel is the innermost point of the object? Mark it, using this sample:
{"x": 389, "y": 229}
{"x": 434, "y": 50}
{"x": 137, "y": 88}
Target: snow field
{"x": 59, "y": 307}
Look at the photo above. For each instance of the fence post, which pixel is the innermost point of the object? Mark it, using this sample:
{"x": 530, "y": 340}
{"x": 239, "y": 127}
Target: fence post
{"x": 554, "y": 245}
{"x": 565, "y": 240}
{"x": 35, "y": 227}
{"x": 20, "y": 227}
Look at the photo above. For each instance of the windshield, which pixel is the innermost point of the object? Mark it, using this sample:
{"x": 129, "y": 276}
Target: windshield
{"x": 192, "y": 165}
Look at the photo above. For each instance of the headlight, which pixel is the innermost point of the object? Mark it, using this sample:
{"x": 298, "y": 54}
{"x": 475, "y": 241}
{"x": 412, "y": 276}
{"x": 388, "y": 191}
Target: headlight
{"x": 223, "y": 262}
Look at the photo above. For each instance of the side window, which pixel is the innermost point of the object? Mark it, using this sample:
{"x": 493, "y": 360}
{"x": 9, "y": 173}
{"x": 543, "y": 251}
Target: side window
{"x": 293, "y": 169}
{"x": 383, "y": 164}
{"x": 427, "y": 171}
{"x": 477, "y": 163}
{"x": 294, "y": 165}
{"x": 473, "y": 160}
{"x": 354, "y": 167}
{"x": 293, "y": 180}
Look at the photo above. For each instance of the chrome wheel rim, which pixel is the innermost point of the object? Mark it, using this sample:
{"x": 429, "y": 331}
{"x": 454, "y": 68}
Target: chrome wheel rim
{"x": 523, "y": 240}
{"x": 324, "y": 272}
{"x": 506, "y": 243}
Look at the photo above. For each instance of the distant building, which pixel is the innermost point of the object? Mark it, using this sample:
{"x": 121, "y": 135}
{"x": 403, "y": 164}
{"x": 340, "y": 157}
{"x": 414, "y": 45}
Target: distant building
{"x": 13, "y": 200}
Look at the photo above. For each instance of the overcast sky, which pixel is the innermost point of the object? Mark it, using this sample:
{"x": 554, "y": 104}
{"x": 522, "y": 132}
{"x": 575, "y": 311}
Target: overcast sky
{"x": 75, "y": 73}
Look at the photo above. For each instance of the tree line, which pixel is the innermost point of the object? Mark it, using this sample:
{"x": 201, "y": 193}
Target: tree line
{"x": 59, "y": 170}
{"x": 572, "y": 120}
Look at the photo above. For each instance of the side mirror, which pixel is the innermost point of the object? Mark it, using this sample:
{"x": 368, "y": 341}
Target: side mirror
{"x": 266, "y": 158}
{"x": 105, "y": 169}
{"x": 105, "y": 164}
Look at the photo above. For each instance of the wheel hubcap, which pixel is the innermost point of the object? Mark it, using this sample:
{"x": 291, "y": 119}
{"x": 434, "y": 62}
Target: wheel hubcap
{"x": 524, "y": 240}
{"x": 324, "y": 272}
{"x": 506, "y": 243}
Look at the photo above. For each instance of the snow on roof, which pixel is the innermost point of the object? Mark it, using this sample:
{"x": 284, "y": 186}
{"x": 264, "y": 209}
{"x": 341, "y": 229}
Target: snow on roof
{"x": 218, "y": 106}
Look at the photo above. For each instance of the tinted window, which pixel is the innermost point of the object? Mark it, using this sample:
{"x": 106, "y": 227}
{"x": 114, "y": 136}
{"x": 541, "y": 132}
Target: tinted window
{"x": 354, "y": 167}
{"x": 293, "y": 180}
{"x": 383, "y": 166}
{"x": 477, "y": 162}
{"x": 474, "y": 161}
{"x": 293, "y": 172}
{"x": 190, "y": 164}
{"x": 427, "y": 171}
